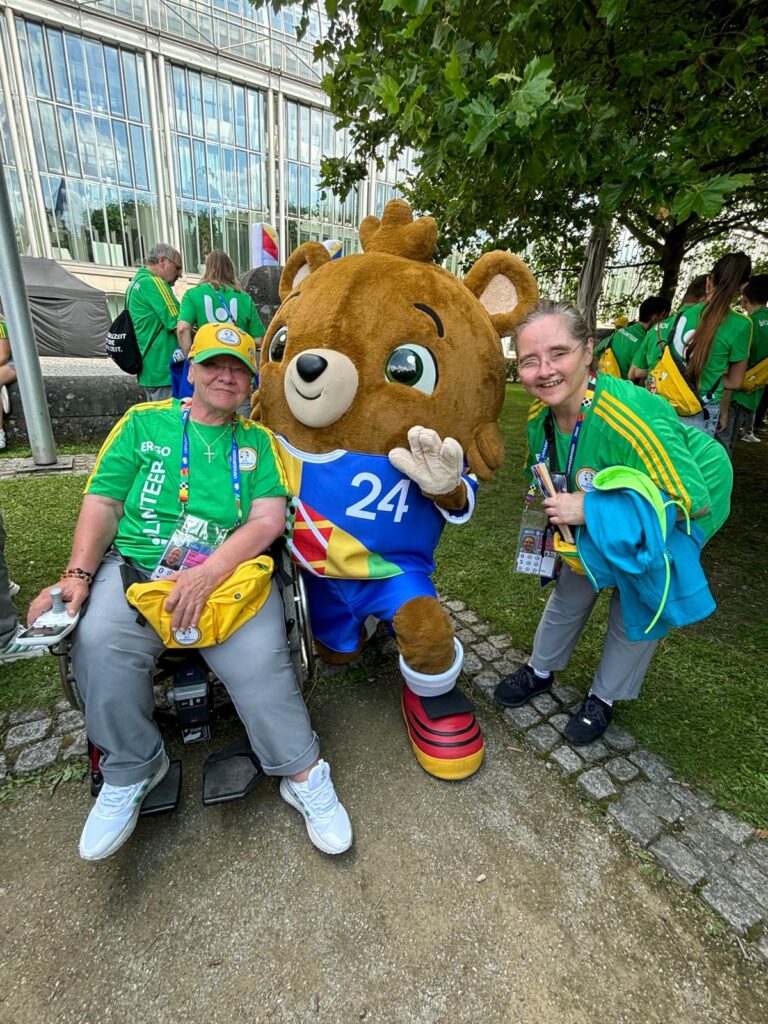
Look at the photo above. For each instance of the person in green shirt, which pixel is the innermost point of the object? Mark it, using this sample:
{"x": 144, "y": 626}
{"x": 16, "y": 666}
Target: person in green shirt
{"x": 7, "y": 376}
{"x": 217, "y": 299}
{"x": 580, "y": 423}
{"x": 625, "y": 341}
{"x": 187, "y": 484}
{"x": 154, "y": 311}
{"x": 714, "y": 342}
{"x": 648, "y": 352}
{"x": 741, "y": 413}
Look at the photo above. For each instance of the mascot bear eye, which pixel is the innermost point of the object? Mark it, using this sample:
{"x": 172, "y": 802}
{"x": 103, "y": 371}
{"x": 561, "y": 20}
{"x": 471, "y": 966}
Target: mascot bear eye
{"x": 277, "y": 345}
{"x": 413, "y": 366}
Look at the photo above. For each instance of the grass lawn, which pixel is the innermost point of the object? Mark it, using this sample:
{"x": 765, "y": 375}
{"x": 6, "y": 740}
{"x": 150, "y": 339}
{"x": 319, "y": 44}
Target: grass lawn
{"x": 704, "y": 704}
{"x": 703, "y": 707}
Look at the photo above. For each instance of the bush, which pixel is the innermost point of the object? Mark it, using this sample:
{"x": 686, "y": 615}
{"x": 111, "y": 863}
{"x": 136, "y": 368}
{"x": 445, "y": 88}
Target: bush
{"x": 512, "y": 373}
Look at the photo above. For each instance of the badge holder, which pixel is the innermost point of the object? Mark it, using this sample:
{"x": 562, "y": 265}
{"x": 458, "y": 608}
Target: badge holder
{"x": 535, "y": 553}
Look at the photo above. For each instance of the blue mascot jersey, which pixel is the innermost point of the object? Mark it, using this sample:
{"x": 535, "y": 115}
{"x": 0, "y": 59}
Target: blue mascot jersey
{"x": 354, "y": 516}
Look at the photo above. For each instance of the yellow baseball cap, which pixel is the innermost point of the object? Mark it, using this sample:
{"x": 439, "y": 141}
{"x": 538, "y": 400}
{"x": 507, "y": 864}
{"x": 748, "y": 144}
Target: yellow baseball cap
{"x": 223, "y": 340}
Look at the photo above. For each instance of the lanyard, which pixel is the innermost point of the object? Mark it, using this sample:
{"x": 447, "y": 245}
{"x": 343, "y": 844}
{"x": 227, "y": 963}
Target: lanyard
{"x": 549, "y": 440}
{"x": 234, "y": 465}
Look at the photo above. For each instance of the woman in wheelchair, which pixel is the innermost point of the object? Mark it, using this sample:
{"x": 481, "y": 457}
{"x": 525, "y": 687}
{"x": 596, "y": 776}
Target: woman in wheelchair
{"x": 189, "y": 479}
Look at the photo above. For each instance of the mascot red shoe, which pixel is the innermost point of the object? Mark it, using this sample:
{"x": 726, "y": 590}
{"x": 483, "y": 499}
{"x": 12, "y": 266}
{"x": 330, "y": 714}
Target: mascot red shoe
{"x": 382, "y": 376}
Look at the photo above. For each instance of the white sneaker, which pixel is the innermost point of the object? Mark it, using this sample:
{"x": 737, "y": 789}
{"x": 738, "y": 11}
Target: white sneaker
{"x": 13, "y": 588}
{"x": 751, "y": 437}
{"x": 326, "y": 820}
{"x": 114, "y": 815}
{"x": 5, "y": 399}
{"x": 14, "y": 652}
{"x": 3, "y": 440}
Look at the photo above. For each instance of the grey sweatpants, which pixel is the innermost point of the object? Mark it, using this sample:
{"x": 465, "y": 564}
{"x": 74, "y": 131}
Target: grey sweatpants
{"x": 113, "y": 657}
{"x": 623, "y": 665}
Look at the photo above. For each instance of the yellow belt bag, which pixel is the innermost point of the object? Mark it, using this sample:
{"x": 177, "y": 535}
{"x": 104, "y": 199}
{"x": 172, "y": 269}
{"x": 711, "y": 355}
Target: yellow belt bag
{"x": 756, "y": 377}
{"x": 666, "y": 379}
{"x": 229, "y": 607}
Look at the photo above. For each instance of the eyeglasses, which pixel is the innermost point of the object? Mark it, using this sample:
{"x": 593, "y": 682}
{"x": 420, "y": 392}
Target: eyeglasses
{"x": 216, "y": 370}
{"x": 555, "y": 358}
{"x": 173, "y": 262}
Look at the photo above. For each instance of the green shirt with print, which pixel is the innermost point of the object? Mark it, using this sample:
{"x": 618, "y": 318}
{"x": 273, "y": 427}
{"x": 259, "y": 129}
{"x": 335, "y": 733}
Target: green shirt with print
{"x": 203, "y": 305}
{"x": 154, "y": 311}
{"x": 757, "y": 352}
{"x": 139, "y": 465}
{"x": 730, "y": 344}
{"x": 624, "y": 343}
{"x": 628, "y": 426}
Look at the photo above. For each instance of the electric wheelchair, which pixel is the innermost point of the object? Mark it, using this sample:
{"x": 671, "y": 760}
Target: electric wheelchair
{"x": 190, "y": 697}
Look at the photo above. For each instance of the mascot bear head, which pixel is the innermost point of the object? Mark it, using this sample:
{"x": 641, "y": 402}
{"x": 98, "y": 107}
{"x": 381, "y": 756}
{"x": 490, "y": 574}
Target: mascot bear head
{"x": 364, "y": 347}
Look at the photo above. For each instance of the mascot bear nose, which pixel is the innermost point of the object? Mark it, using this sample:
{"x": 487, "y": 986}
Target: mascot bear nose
{"x": 310, "y": 366}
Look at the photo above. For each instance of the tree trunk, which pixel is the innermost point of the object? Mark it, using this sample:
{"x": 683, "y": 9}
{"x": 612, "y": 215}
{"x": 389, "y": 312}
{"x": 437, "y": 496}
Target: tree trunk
{"x": 591, "y": 276}
{"x": 671, "y": 258}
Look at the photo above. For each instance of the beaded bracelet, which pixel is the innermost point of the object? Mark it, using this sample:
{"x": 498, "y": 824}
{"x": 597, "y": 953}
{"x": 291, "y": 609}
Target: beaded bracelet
{"x": 77, "y": 574}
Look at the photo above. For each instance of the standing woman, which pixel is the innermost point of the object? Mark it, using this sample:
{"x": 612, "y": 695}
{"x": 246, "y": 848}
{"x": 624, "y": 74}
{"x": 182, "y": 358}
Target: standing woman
{"x": 714, "y": 342}
{"x": 7, "y": 376}
{"x": 579, "y": 424}
{"x": 217, "y": 299}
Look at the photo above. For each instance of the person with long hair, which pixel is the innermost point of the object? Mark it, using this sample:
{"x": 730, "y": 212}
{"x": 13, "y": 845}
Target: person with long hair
{"x": 579, "y": 424}
{"x": 714, "y": 342}
{"x": 217, "y": 299}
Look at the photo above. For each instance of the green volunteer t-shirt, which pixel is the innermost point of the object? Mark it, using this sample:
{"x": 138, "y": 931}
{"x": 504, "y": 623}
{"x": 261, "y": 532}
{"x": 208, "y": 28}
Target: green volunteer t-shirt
{"x": 624, "y": 343}
{"x": 139, "y": 464}
{"x": 3, "y": 330}
{"x": 730, "y": 344}
{"x": 154, "y": 310}
{"x": 628, "y": 426}
{"x": 757, "y": 352}
{"x": 203, "y": 305}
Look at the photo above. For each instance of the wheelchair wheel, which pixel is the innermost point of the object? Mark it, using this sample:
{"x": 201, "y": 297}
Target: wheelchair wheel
{"x": 68, "y": 681}
{"x": 296, "y": 612}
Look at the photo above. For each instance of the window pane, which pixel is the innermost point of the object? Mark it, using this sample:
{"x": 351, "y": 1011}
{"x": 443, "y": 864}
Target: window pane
{"x": 229, "y": 186}
{"x": 131, "y": 86}
{"x": 291, "y": 131}
{"x": 242, "y": 180}
{"x": 180, "y": 100}
{"x": 195, "y": 103}
{"x": 69, "y": 140}
{"x": 304, "y": 134}
{"x": 50, "y": 137}
{"x": 139, "y": 156}
{"x": 77, "y": 71}
{"x": 185, "y": 168}
{"x": 328, "y": 135}
{"x": 106, "y": 149}
{"x": 201, "y": 173}
{"x": 86, "y": 139}
{"x": 258, "y": 186}
{"x": 114, "y": 82}
{"x": 58, "y": 65}
{"x": 254, "y": 121}
{"x": 122, "y": 153}
{"x": 188, "y": 224}
{"x": 210, "y": 106}
{"x": 96, "y": 76}
{"x": 214, "y": 173}
{"x": 304, "y": 191}
{"x": 38, "y": 61}
{"x": 293, "y": 189}
{"x": 316, "y": 136}
{"x": 240, "y": 133}
{"x": 226, "y": 113}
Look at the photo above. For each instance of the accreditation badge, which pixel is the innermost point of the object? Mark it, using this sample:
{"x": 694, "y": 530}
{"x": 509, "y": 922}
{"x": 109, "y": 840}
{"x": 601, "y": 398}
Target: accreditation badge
{"x": 535, "y": 553}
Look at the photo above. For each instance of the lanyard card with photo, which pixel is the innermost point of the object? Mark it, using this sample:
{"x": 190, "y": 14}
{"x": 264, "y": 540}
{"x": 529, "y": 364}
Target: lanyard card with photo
{"x": 193, "y": 539}
{"x": 535, "y": 554}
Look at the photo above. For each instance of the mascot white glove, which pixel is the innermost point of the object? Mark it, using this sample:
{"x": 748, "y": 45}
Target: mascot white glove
{"x": 434, "y": 465}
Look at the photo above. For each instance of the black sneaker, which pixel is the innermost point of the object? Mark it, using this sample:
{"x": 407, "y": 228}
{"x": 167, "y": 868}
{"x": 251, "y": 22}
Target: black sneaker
{"x": 588, "y": 722}
{"x": 517, "y": 689}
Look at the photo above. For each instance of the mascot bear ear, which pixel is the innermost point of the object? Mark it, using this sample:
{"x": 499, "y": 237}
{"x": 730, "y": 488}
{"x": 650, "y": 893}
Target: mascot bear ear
{"x": 505, "y": 288}
{"x": 301, "y": 263}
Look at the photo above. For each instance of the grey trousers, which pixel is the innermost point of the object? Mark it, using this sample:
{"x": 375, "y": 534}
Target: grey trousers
{"x": 113, "y": 657}
{"x": 9, "y": 617}
{"x": 623, "y": 665}
{"x": 738, "y": 417}
{"x": 157, "y": 394}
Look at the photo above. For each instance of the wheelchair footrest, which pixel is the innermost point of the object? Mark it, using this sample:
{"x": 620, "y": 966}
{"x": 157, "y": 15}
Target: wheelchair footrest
{"x": 165, "y": 796}
{"x": 231, "y": 773}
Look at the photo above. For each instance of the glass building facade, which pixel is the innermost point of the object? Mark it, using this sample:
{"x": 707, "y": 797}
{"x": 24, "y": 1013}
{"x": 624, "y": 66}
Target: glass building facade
{"x": 125, "y": 123}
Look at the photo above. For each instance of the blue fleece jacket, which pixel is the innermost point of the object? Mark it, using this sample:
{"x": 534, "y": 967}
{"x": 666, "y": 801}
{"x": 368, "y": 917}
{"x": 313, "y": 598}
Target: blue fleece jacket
{"x": 623, "y": 545}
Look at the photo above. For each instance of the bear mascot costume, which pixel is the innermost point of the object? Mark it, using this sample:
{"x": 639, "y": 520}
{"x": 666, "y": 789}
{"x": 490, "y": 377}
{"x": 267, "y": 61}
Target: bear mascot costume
{"x": 382, "y": 376}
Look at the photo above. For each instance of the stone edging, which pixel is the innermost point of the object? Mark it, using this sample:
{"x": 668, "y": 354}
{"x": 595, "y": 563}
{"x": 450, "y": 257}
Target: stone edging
{"x": 702, "y": 847}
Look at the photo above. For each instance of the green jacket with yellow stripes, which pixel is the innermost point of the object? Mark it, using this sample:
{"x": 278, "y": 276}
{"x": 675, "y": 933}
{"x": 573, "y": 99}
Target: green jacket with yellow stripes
{"x": 154, "y": 310}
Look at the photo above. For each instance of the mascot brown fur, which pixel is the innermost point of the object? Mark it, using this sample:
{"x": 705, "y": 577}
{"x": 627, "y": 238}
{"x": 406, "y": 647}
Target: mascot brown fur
{"x": 381, "y": 371}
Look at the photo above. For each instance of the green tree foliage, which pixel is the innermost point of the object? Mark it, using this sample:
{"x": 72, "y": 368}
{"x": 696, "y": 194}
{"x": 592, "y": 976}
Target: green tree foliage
{"x": 535, "y": 120}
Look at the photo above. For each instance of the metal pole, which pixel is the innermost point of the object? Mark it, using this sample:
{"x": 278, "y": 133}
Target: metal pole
{"x": 16, "y": 308}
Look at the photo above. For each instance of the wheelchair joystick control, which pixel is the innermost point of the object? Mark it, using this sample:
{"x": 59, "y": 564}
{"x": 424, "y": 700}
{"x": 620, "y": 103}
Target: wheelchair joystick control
{"x": 58, "y": 601}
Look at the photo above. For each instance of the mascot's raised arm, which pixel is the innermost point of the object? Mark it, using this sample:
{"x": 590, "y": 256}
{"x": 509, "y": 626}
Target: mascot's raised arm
{"x": 383, "y": 377}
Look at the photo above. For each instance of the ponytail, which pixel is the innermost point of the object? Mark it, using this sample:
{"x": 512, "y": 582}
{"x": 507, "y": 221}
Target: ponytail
{"x": 728, "y": 275}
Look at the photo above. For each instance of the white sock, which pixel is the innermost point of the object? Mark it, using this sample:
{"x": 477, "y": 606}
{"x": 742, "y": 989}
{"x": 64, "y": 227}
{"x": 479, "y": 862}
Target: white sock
{"x": 605, "y": 700}
{"x": 541, "y": 675}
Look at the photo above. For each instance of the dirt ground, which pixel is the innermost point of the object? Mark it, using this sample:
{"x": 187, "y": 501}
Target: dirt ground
{"x": 499, "y": 899}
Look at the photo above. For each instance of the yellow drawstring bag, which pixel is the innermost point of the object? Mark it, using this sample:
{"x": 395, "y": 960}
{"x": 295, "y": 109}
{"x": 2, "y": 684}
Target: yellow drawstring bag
{"x": 230, "y": 606}
{"x": 608, "y": 364}
{"x": 667, "y": 379}
{"x": 568, "y": 552}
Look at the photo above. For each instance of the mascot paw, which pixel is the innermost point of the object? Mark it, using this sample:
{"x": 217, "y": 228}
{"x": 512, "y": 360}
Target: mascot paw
{"x": 447, "y": 743}
{"x": 433, "y": 464}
